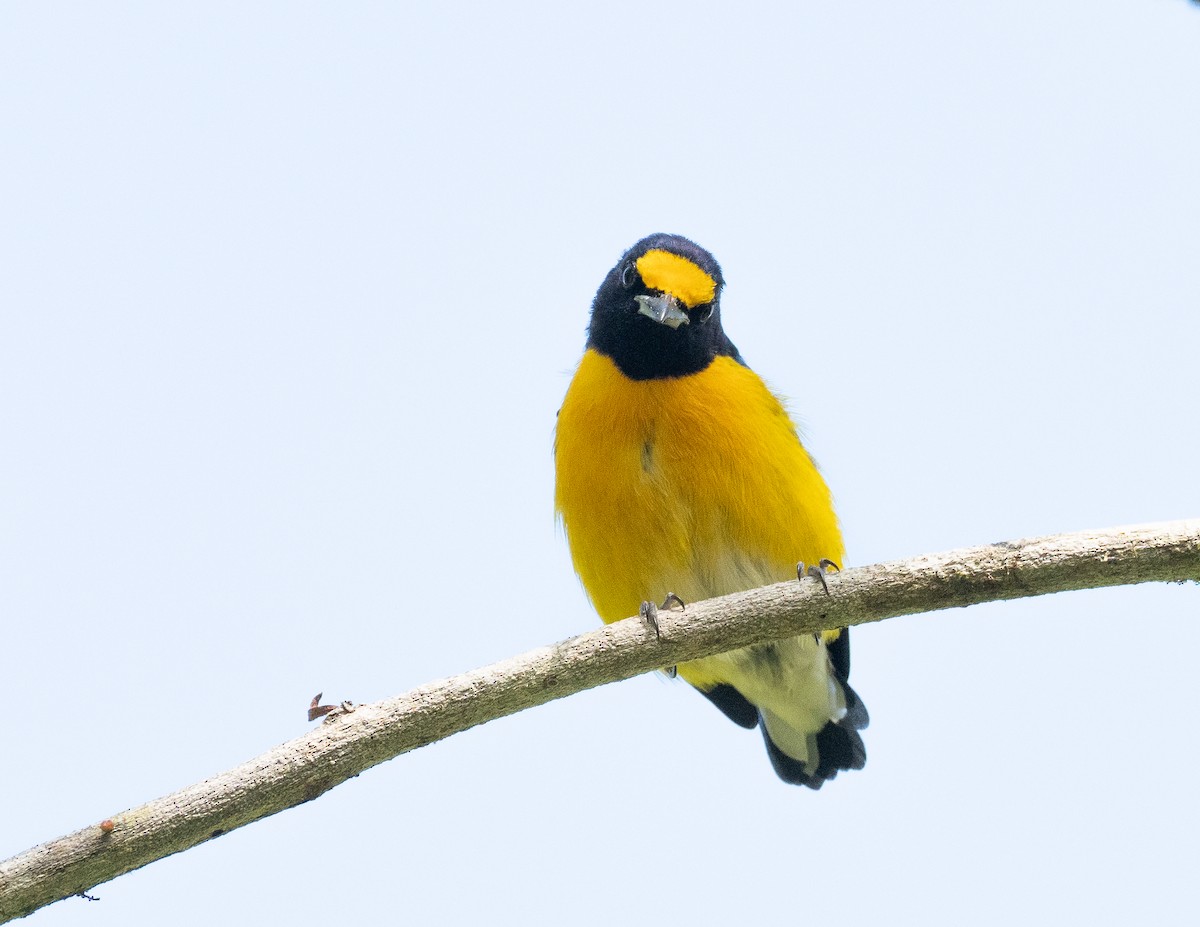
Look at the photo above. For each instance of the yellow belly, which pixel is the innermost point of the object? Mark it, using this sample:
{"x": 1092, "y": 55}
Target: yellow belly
{"x": 696, "y": 485}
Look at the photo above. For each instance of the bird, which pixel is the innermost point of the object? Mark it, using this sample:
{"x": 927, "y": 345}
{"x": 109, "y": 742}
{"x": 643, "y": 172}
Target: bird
{"x": 680, "y": 474}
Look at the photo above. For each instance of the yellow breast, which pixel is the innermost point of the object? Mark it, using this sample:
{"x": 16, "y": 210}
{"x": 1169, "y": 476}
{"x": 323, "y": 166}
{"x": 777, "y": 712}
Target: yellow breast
{"x": 696, "y": 485}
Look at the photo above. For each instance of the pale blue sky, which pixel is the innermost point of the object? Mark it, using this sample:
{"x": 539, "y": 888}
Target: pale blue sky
{"x": 290, "y": 293}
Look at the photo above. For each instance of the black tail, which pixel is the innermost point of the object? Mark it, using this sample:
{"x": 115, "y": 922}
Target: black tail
{"x": 835, "y": 747}
{"x": 838, "y": 745}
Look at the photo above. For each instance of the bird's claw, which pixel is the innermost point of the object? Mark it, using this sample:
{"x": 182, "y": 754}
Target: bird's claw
{"x": 817, "y": 572}
{"x": 648, "y": 612}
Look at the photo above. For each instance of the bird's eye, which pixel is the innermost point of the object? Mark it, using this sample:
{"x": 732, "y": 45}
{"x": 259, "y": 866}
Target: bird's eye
{"x": 629, "y": 275}
{"x": 707, "y": 314}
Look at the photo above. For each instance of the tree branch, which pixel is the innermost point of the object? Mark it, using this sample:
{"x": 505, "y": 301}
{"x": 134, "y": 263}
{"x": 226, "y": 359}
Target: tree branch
{"x": 350, "y": 742}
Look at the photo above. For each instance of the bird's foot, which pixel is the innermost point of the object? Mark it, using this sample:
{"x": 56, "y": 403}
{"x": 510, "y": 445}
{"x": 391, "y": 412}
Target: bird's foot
{"x": 648, "y": 612}
{"x": 817, "y": 572}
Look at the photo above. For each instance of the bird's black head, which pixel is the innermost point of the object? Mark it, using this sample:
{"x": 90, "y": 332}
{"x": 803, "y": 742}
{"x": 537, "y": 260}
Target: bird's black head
{"x": 658, "y": 312}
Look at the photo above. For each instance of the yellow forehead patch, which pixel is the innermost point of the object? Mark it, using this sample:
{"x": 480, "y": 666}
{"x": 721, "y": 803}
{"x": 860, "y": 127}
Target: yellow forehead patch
{"x": 670, "y": 273}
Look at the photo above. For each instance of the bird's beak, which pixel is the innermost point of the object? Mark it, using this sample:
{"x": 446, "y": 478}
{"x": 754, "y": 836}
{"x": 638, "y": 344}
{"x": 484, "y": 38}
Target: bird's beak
{"x": 664, "y": 309}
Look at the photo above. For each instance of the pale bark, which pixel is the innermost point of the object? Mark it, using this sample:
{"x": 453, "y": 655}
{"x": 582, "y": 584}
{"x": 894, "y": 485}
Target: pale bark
{"x": 349, "y": 742}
